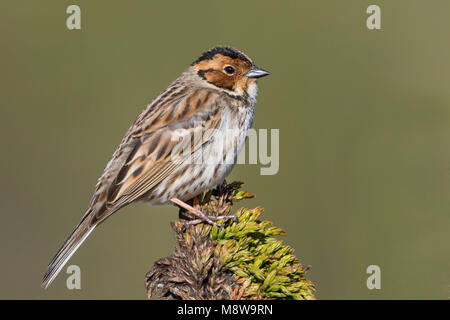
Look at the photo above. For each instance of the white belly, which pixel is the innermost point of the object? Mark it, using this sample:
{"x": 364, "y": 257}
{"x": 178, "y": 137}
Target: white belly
{"x": 217, "y": 157}
{"x": 215, "y": 164}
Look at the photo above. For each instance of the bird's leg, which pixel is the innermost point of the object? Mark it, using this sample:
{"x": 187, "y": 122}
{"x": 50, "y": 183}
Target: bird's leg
{"x": 200, "y": 215}
{"x": 184, "y": 214}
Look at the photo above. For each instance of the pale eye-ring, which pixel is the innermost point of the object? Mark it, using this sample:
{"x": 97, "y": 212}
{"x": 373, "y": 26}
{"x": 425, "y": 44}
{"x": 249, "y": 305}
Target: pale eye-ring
{"x": 228, "y": 69}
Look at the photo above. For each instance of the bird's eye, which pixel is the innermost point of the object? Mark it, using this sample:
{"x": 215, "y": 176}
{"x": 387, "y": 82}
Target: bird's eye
{"x": 229, "y": 69}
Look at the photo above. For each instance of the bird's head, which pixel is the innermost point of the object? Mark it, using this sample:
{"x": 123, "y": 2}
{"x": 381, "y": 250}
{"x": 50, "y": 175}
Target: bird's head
{"x": 229, "y": 69}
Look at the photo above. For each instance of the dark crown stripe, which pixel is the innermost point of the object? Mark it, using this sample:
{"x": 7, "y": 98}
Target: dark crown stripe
{"x": 224, "y": 50}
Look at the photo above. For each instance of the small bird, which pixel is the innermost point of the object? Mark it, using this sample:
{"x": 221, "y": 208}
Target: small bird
{"x": 186, "y": 141}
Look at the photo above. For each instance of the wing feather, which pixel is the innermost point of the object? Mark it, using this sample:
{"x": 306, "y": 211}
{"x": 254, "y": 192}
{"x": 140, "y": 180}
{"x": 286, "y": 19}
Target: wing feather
{"x": 159, "y": 149}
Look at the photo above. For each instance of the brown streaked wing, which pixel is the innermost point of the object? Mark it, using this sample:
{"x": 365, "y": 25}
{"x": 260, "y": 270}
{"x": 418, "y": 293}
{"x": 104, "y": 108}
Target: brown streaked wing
{"x": 152, "y": 158}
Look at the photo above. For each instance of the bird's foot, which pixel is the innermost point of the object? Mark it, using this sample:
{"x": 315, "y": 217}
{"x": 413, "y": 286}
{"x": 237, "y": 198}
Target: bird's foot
{"x": 201, "y": 217}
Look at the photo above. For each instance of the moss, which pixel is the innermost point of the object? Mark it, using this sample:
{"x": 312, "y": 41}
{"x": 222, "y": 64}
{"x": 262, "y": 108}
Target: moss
{"x": 247, "y": 253}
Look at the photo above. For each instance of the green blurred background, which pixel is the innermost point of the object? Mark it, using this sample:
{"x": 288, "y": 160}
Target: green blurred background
{"x": 364, "y": 119}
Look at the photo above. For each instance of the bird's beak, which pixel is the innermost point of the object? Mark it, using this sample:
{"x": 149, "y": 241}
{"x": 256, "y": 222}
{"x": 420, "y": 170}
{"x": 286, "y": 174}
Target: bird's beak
{"x": 256, "y": 72}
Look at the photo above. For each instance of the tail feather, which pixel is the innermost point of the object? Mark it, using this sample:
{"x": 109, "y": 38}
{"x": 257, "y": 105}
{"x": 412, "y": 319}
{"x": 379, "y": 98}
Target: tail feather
{"x": 69, "y": 247}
